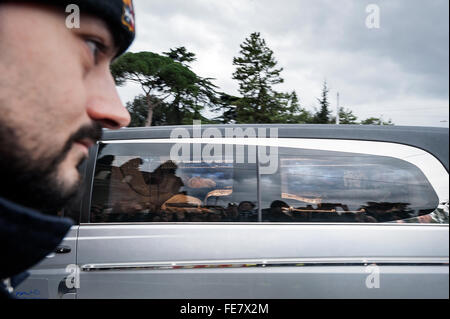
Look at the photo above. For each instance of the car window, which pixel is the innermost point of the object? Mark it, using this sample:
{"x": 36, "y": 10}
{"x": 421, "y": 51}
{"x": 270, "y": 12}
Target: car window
{"x": 328, "y": 186}
{"x": 141, "y": 183}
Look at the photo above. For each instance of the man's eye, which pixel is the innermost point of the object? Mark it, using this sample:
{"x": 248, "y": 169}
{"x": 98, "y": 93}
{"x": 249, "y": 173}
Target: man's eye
{"x": 95, "y": 48}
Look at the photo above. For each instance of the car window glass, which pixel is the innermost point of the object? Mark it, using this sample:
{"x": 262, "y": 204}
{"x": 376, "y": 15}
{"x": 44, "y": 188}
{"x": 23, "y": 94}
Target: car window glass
{"x": 142, "y": 183}
{"x": 325, "y": 186}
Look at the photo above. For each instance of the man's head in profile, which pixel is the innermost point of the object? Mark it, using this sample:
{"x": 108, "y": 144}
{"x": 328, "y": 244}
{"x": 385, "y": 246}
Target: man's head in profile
{"x": 56, "y": 94}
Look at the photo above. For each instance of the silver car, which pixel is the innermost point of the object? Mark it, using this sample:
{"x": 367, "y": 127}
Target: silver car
{"x": 257, "y": 211}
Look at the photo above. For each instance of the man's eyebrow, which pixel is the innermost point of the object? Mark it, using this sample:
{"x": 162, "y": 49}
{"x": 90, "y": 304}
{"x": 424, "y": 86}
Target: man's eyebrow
{"x": 108, "y": 41}
{"x": 111, "y": 48}
{"x": 100, "y": 30}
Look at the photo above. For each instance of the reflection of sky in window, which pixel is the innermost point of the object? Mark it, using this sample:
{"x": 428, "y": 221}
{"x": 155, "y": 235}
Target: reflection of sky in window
{"x": 352, "y": 184}
{"x": 221, "y": 173}
{"x": 349, "y": 180}
{"x": 372, "y": 173}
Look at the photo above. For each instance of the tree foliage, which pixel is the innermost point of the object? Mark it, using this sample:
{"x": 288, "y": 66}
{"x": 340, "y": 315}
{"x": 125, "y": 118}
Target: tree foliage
{"x": 162, "y": 115}
{"x": 346, "y": 116}
{"x": 173, "y": 94}
{"x": 257, "y": 73}
{"x": 297, "y": 114}
{"x": 181, "y": 55}
{"x": 138, "y": 109}
{"x": 376, "y": 121}
{"x": 227, "y": 106}
{"x": 323, "y": 115}
{"x": 166, "y": 79}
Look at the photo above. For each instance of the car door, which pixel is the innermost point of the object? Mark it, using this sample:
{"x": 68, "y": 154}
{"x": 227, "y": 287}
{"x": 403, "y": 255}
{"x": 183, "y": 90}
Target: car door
{"x": 265, "y": 218}
{"x": 56, "y": 276}
{"x": 47, "y": 279}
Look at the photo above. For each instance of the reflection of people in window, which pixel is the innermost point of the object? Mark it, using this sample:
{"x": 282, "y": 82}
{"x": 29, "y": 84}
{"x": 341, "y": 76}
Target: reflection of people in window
{"x": 280, "y": 211}
{"x": 133, "y": 190}
{"x": 200, "y": 182}
{"x": 133, "y": 176}
{"x": 129, "y": 192}
{"x": 102, "y": 177}
{"x": 386, "y": 211}
{"x": 179, "y": 206}
{"x": 164, "y": 183}
{"x": 103, "y": 167}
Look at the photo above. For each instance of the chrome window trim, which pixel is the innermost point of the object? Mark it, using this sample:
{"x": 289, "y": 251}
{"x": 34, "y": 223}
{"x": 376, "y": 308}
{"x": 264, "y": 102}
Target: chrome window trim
{"x": 431, "y": 167}
{"x": 263, "y": 223}
{"x": 275, "y": 262}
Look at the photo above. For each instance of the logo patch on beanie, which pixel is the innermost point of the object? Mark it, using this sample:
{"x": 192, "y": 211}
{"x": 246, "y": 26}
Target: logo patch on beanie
{"x": 128, "y": 15}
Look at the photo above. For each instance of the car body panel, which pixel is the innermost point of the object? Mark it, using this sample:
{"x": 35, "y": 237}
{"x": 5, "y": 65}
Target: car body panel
{"x": 267, "y": 260}
{"x": 47, "y": 279}
{"x": 262, "y": 261}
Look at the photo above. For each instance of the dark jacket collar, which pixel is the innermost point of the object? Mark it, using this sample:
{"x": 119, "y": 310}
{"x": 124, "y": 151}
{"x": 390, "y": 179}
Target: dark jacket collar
{"x": 26, "y": 237}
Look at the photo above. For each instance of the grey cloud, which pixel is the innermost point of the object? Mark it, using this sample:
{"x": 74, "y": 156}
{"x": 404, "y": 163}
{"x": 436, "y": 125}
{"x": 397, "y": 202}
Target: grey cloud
{"x": 407, "y": 59}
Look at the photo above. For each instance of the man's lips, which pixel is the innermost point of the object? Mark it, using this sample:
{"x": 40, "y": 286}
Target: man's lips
{"x": 86, "y": 144}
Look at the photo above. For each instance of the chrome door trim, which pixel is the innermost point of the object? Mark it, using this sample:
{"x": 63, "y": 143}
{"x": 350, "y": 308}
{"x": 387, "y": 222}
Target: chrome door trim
{"x": 393, "y": 224}
{"x": 285, "y": 262}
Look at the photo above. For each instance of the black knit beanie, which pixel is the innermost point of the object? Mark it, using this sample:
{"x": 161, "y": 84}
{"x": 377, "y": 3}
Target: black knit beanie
{"x": 118, "y": 14}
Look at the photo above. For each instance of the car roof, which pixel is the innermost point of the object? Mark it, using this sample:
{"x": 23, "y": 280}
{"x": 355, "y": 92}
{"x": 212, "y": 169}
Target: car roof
{"x": 434, "y": 140}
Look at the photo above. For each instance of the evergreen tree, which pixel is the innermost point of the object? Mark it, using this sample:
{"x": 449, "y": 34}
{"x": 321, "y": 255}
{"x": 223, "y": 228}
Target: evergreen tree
{"x": 257, "y": 73}
{"x": 138, "y": 110}
{"x": 227, "y": 106}
{"x": 181, "y": 55}
{"x": 298, "y": 115}
{"x": 323, "y": 115}
{"x": 162, "y": 114}
{"x": 164, "y": 79}
{"x": 376, "y": 121}
{"x": 347, "y": 117}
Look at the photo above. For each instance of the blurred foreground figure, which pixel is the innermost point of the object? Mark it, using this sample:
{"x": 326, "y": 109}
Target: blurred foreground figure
{"x": 56, "y": 95}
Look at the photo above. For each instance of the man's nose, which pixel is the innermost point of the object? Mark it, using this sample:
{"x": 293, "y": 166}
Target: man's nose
{"x": 104, "y": 105}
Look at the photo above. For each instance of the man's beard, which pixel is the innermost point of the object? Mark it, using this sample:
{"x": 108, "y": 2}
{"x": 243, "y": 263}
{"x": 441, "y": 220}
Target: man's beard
{"x": 35, "y": 183}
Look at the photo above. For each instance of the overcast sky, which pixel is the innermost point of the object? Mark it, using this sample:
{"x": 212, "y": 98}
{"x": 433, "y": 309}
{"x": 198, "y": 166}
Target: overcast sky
{"x": 399, "y": 71}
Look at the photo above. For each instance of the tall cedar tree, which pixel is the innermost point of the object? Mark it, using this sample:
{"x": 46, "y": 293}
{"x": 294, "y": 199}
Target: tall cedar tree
{"x": 346, "y": 116}
{"x": 181, "y": 55}
{"x": 228, "y": 105}
{"x": 376, "y": 121}
{"x": 323, "y": 115}
{"x": 297, "y": 114}
{"x": 167, "y": 81}
{"x": 207, "y": 92}
{"x": 162, "y": 115}
{"x": 257, "y": 74}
